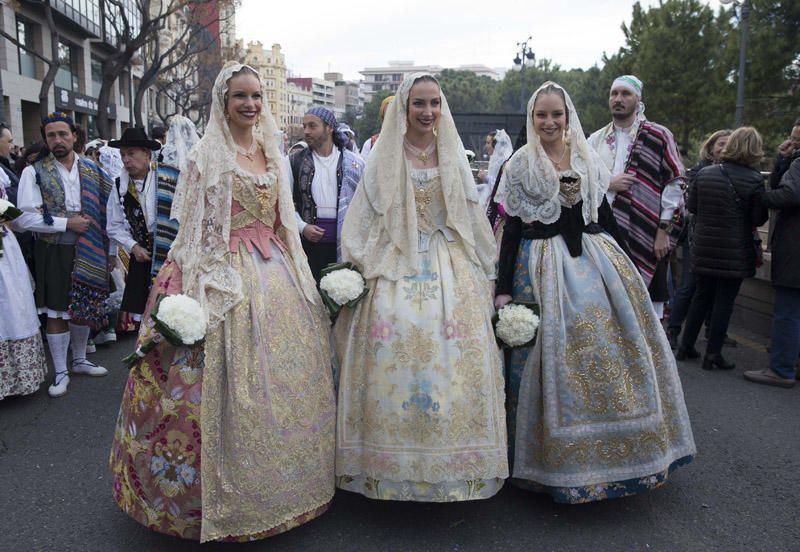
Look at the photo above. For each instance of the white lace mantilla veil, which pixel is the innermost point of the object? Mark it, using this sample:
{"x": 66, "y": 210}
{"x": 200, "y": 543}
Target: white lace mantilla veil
{"x": 502, "y": 151}
{"x": 530, "y": 186}
{"x": 181, "y": 138}
{"x": 380, "y": 230}
{"x": 111, "y": 160}
{"x": 202, "y": 206}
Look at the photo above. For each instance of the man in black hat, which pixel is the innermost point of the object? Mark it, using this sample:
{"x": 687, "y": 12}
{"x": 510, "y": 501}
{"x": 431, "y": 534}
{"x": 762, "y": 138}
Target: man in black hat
{"x": 138, "y": 214}
{"x": 63, "y": 198}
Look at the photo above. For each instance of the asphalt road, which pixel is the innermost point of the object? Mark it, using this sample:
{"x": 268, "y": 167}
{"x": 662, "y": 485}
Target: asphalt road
{"x": 740, "y": 493}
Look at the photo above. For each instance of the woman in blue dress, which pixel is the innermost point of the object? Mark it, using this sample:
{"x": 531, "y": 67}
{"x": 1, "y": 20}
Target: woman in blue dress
{"x": 596, "y": 407}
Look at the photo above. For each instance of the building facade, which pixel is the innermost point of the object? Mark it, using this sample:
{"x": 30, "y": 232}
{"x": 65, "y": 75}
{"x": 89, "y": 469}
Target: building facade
{"x": 300, "y": 101}
{"x": 390, "y": 77}
{"x": 86, "y": 38}
{"x": 271, "y": 65}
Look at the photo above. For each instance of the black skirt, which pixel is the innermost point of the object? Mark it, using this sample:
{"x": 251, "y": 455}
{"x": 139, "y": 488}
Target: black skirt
{"x": 137, "y": 286}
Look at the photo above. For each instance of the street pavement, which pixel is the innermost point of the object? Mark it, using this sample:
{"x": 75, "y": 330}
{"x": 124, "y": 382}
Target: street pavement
{"x": 740, "y": 493}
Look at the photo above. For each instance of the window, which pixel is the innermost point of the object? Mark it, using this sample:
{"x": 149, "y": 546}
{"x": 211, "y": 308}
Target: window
{"x": 123, "y": 89}
{"x": 67, "y": 75}
{"x": 97, "y": 76}
{"x": 27, "y": 63}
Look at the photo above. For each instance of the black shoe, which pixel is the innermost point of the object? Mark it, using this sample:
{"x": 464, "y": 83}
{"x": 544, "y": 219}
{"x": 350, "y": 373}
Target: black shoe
{"x": 729, "y": 342}
{"x": 683, "y": 354}
{"x": 714, "y": 361}
{"x": 672, "y": 336}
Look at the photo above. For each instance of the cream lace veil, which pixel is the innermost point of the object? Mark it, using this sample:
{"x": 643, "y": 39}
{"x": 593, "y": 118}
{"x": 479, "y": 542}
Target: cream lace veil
{"x": 380, "y": 230}
{"x": 202, "y": 206}
{"x": 530, "y": 186}
{"x": 181, "y": 138}
{"x": 502, "y": 151}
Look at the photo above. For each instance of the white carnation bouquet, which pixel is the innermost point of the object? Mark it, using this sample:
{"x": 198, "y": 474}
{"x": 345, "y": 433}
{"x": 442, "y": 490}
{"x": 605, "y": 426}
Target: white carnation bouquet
{"x": 341, "y": 285}
{"x": 178, "y": 319}
{"x": 8, "y": 212}
{"x": 515, "y": 324}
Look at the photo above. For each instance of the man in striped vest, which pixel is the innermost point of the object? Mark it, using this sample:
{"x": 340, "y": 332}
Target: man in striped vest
{"x": 648, "y": 179}
{"x": 138, "y": 214}
{"x": 63, "y": 198}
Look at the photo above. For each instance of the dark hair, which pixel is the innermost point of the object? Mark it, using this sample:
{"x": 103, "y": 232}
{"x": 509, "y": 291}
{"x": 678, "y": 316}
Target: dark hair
{"x": 4, "y": 126}
{"x": 159, "y": 132}
{"x": 80, "y": 139}
{"x": 493, "y": 134}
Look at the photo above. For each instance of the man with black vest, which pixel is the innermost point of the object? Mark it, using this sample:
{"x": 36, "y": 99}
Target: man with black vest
{"x": 138, "y": 214}
{"x": 324, "y": 177}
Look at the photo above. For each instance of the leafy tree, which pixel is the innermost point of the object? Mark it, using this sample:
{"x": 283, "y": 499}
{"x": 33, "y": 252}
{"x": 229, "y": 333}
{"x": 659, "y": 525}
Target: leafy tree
{"x": 678, "y": 50}
{"x": 467, "y": 92}
{"x": 370, "y": 122}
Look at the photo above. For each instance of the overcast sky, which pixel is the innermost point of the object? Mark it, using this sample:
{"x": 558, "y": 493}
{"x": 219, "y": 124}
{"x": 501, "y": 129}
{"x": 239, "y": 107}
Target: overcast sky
{"x": 345, "y": 36}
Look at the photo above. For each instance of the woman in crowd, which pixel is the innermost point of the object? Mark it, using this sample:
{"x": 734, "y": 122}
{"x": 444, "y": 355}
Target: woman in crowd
{"x": 600, "y": 410}
{"x": 22, "y": 362}
{"x": 263, "y": 374}
{"x": 420, "y": 413}
{"x": 710, "y": 153}
{"x": 726, "y": 202}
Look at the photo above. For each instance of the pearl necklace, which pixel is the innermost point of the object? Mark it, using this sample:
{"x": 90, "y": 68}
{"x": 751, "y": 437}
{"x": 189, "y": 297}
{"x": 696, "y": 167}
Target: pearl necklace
{"x": 422, "y": 155}
{"x": 249, "y": 152}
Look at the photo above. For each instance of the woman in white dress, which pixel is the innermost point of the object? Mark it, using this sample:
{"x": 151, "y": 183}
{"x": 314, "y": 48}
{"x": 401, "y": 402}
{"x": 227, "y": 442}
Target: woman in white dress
{"x": 22, "y": 362}
{"x": 420, "y": 413}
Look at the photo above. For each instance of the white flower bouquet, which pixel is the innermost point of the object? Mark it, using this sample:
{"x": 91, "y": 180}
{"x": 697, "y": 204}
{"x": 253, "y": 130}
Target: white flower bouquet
{"x": 515, "y": 324}
{"x": 8, "y": 212}
{"x": 178, "y": 319}
{"x": 341, "y": 285}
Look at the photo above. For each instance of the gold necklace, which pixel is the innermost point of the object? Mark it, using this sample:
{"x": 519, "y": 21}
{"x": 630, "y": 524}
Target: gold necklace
{"x": 249, "y": 152}
{"x": 422, "y": 155}
{"x": 560, "y": 159}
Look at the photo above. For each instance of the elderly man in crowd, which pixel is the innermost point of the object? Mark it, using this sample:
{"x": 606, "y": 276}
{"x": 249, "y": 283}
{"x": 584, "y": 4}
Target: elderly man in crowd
{"x": 138, "y": 214}
{"x": 786, "y": 281}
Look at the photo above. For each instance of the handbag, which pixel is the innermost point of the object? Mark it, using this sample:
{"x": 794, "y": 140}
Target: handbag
{"x": 757, "y": 245}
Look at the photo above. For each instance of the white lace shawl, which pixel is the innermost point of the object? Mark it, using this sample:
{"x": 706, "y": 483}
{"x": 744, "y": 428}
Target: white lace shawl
{"x": 502, "y": 151}
{"x": 181, "y": 138}
{"x": 530, "y": 186}
{"x": 202, "y": 206}
{"x": 380, "y": 230}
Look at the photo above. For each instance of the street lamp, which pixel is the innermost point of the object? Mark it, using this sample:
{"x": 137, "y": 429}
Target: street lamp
{"x": 744, "y": 17}
{"x": 524, "y": 53}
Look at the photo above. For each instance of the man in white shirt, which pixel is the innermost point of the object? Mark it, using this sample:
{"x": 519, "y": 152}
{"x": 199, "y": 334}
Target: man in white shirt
{"x": 63, "y": 198}
{"x": 648, "y": 178}
{"x": 324, "y": 177}
{"x": 134, "y": 204}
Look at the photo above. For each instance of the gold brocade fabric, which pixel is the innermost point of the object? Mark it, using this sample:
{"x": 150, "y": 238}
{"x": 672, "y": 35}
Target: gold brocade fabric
{"x": 268, "y": 406}
{"x": 256, "y": 198}
{"x": 600, "y": 399}
{"x": 420, "y": 413}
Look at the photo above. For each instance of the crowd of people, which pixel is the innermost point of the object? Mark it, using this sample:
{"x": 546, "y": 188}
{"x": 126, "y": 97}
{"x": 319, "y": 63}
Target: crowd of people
{"x": 407, "y": 395}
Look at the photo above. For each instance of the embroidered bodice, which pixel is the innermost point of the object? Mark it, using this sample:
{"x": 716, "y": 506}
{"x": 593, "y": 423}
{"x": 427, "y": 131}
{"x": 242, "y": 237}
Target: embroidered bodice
{"x": 429, "y": 201}
{"x": 569, "y": 185}
{"x": 254, "y": 212}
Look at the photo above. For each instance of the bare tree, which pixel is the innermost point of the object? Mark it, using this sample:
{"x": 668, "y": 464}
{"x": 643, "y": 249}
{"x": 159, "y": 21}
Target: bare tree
{"x": 52, "y": 63}
{"x": 187, "y": 50}
{"x": 132, "y": 25}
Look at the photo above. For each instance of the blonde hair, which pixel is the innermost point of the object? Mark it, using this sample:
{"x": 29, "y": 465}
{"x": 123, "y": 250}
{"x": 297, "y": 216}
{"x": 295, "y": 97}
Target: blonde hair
{"x": 706, "y": 150}
{"x": 744, "y": 147}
